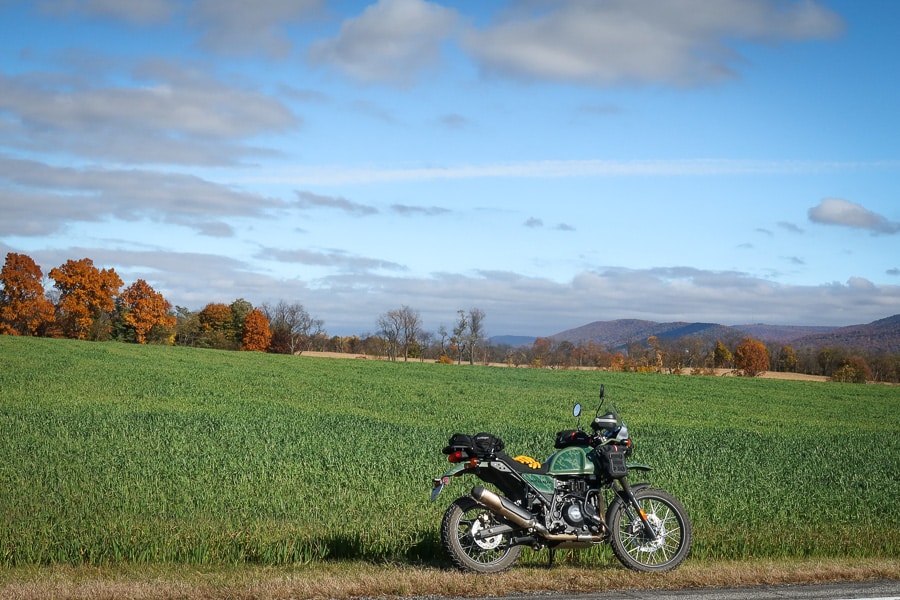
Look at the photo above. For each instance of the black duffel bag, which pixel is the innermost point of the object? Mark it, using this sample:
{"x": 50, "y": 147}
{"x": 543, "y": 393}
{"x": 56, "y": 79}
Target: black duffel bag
{"x": 571, "y": 437}
{"x": 480, "y": 445}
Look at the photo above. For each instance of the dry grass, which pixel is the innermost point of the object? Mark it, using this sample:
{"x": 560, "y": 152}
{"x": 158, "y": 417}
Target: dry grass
{"x": 716, "y": 372}
{"x": 358, "y": 580}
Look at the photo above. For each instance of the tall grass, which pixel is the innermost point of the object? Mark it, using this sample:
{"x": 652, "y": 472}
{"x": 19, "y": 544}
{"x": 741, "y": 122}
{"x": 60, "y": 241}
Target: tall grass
{"x": 122, "y": 453}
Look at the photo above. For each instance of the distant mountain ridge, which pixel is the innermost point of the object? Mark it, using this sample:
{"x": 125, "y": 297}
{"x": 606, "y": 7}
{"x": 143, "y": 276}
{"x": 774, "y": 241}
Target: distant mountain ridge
{"x": 882, "y": 335}
{"x": 782, "y": 333}
{"x": 622, "y": 332}
{"x": 515, "y": 341}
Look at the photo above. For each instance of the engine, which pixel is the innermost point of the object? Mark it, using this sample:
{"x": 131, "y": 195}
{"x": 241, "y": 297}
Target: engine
{"x": 574, "y": 509}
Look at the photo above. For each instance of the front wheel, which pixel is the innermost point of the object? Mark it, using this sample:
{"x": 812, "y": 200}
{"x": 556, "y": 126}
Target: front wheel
{"x": 462, "y": 522}
{"x": 669, "y": 545}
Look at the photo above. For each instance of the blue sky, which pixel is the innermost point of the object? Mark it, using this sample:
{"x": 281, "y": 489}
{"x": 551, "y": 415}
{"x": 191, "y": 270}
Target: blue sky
{"x": 551, "y": 163}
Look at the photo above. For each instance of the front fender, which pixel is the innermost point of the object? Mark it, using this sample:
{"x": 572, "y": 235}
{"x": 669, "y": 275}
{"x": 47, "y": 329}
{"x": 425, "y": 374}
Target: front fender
{"x": 444, "y": 479}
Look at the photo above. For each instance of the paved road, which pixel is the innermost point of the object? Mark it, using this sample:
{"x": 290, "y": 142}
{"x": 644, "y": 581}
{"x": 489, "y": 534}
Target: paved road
{"x": 867, "y": 590}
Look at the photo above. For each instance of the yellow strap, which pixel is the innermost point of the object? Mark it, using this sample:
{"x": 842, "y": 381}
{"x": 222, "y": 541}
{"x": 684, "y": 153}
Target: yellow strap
{"x": 527, "y": 460}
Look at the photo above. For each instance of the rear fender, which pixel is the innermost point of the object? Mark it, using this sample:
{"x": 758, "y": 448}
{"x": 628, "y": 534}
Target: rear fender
{"x": 444, "y": 479}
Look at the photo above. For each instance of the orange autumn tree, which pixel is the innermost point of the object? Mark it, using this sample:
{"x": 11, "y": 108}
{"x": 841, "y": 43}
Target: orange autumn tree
{"x": 145, "y": 308}
{"x": 751, "y": 358}
{"x": 24, "y": 309}
{"x": 257, "y": 334}
{"x": 216, "y": 327}
{"x": 87, "y": 297}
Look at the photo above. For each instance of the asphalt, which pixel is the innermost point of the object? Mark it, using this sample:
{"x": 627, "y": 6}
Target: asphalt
{"x": 866, "y": 590}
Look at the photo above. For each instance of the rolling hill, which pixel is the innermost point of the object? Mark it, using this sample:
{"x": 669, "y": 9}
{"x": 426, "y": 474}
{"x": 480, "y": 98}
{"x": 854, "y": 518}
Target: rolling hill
{"x": 879, "y": 336}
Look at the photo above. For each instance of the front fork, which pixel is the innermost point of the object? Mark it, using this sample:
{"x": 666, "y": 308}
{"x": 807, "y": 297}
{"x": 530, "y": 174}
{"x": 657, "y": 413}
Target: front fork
{"x": 627, "y": 494}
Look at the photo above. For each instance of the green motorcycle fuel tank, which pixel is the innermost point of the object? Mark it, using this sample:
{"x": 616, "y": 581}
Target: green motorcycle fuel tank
{"x": 574, "y": 460}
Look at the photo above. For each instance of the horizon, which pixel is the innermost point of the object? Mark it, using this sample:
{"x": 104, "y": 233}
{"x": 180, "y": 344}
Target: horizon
{"x": 551, "y": 165}
{"x": 735, "y": 326}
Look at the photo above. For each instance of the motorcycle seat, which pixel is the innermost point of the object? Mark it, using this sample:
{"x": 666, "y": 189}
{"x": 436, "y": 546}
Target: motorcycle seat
{"x": 518, "y": 466}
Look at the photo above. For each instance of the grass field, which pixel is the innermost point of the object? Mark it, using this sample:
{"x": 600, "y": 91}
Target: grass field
{"x": 115, "y": 453}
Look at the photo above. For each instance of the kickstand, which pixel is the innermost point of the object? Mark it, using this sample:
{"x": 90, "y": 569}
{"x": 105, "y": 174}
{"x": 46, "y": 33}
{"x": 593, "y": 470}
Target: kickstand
{"x": 552, "y": 556}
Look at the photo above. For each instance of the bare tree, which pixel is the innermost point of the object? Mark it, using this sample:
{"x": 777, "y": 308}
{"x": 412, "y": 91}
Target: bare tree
{"x": 412, "y": 329}
{"x": 400, "y": 329}
{"x": 390, "y": 328}
{"x": 475, "y": 335}
{"x": 293, "y": 329}
{"x": 459, "y": 334}
{"x": 445, "y": 337}
{"x": 424, "y": 339}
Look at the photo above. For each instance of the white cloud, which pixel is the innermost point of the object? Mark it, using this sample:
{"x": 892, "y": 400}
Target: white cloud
{"x": 454, "y": 121}
{"x": 517, "y": 304}
{"x": 168, "y": 114}
{"x": 790, "y": 227}
{"x": 329, "y": 258}
{"x": 836, "y": 211}
{"x": 39, "y": 198}
{"x": 427, "y": 211}
{"x": 390, "y": 42}
{"x": 138, "y": 12}
{"x": 346, "y": 175}
{"x": 306, "y": 200}
{"x": 684, "y": 42}
{"x": 241, "y": 27}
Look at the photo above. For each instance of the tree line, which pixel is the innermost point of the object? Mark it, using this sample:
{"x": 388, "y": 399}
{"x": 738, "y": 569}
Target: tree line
{"x": 90, "y": 303}
{"x": 699, "y": 356}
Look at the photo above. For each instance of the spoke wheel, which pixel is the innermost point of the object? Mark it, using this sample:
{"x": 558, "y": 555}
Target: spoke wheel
{"x": 665, "y": 550}
{"x": 469, "y": 551}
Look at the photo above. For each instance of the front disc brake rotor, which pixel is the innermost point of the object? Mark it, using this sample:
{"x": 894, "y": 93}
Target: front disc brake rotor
{"x": 651, "y": 544}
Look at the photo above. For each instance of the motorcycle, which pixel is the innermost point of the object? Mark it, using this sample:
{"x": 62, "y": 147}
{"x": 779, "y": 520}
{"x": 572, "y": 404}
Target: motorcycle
{"x": 579, "y": 497}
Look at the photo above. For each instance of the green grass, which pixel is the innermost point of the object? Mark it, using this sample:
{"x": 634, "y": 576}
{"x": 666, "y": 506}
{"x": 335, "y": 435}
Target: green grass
{"x": 113, "y": 453}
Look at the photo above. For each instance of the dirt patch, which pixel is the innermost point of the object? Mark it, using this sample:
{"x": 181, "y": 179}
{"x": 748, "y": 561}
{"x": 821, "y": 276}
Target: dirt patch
{"x": 717, "y": 372}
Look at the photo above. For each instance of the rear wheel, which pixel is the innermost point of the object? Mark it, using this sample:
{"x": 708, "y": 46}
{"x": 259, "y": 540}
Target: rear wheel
{"x": 638, "y": 550}
{"x": 469, "y": 551}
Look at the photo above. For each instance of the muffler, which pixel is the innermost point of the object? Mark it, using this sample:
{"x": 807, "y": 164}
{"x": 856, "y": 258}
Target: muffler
{"x": 506, "y": 508}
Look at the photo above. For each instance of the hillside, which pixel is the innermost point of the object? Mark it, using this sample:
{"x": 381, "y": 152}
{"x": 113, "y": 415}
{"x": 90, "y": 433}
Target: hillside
{"x": 622, "y": 332}
{"x": 516, "y": 341}
{"x": 876, "y": 337}
{"x": 782, "y": 333}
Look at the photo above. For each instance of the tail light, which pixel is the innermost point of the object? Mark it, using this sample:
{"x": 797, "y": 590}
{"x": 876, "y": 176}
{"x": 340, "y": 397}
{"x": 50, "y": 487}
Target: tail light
{"x": 456, "y": 457}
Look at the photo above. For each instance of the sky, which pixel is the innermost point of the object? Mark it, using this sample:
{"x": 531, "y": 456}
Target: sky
{"x": 550, "y": 163}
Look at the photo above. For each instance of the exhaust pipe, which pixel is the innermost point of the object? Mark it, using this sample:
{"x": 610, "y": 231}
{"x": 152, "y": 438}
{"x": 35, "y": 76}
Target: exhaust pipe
{"x": 511, "y": 511}
{"x": 506, "y": 508}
